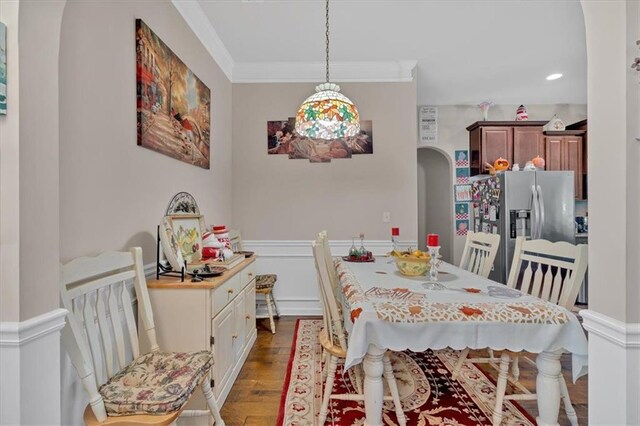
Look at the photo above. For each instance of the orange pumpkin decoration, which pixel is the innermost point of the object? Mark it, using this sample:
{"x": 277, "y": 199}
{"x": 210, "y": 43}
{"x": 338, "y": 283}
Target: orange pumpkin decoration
{"x": 501, "y": 164}
{"x": 538, "y": 162}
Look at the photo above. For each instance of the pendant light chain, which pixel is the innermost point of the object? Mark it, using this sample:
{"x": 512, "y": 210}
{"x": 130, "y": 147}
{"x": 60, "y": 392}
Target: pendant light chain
{"x": 327, "y": 36}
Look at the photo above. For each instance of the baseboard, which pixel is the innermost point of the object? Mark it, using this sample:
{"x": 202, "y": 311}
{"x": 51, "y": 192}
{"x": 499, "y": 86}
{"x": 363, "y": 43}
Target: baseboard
{"x": 290, "y": 307}
{"x": 30, "y": 369}
{"x": 614, "y": 369}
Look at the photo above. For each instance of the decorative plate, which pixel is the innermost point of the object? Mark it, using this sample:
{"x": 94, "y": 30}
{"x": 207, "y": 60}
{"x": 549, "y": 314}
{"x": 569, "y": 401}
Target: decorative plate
{"x": 182, "y": 203}
{"x": 169, "y": 245}
{"x": 207, "y": 271}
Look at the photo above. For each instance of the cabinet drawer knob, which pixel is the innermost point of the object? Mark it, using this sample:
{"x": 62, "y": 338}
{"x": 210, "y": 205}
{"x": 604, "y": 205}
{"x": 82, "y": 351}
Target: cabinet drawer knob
{"x": 248, "y": 317}
{"x": 235, "y": 336}
{"x": 250, "y": 274}
{"x": 230, "y": 291}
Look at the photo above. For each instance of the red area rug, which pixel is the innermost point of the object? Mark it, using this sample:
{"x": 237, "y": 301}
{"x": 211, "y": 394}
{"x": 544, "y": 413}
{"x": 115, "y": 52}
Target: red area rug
{"x": 428, "y": 394}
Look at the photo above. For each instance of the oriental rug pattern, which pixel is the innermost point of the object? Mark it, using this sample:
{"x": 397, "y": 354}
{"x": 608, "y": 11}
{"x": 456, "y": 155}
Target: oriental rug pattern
{"x": 428, "y": 394}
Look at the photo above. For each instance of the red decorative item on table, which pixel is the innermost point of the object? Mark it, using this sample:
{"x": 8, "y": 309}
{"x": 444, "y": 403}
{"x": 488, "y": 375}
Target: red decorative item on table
{"x": 222, "y": 235}
{"x": 395, "y": 232}
{"x": 433, "y": 240}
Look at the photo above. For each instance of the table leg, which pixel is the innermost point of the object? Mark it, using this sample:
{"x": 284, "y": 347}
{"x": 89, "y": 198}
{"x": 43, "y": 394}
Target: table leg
{"x": 548, "y": 387}
{"x": 373, "y": 393}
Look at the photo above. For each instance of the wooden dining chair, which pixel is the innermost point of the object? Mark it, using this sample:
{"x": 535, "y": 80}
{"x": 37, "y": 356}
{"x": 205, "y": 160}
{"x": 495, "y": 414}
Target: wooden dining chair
{"x": 124, "y": 386}
{"x": 553, "y": 272}
{"x": 334, "y": 341}
{"x": 479, "y": 252}
{"x": 323, "y": 238}
{"x": 264, "y": 282}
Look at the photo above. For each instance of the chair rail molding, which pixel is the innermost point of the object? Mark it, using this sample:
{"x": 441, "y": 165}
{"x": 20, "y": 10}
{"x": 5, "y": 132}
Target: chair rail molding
{"x": 30, "y": 369}
{"x": 302, "y": 248}
{"x": 614, "y": 349}
{"x": 625, "y": 335}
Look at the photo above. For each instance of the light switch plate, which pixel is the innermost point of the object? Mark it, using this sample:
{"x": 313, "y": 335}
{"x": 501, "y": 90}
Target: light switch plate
{"x": 386, "y": 217}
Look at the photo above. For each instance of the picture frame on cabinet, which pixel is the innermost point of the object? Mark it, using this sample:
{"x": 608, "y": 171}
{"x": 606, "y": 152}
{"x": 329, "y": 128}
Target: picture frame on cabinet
{"x": 187, "y": 231}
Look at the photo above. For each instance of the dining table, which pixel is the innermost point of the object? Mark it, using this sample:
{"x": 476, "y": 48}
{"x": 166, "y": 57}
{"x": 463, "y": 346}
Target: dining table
{"x": 385, "y": 310}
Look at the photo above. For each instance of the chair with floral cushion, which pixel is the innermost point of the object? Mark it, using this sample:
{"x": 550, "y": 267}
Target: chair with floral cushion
{"x": 264, "y": 282}
{"x": 124, "y": 386}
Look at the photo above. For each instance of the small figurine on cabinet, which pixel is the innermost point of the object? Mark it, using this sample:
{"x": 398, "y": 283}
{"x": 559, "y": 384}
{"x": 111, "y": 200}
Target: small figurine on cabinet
{"x": 521, "y": 113}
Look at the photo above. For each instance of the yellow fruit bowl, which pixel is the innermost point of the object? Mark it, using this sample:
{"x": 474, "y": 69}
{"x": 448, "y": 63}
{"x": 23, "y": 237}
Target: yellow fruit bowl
{"x": 412, "y": 265}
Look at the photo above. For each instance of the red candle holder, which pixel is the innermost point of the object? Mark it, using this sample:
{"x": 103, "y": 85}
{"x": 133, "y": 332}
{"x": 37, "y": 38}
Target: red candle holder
{"x": 433, "y": 240}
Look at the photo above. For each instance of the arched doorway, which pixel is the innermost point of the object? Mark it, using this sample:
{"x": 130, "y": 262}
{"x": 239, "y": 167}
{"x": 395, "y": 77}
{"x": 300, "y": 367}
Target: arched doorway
{"x": 435, "y": 199}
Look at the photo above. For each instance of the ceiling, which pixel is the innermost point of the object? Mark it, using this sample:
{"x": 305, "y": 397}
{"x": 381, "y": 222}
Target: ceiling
{"x": 466, "y": 51}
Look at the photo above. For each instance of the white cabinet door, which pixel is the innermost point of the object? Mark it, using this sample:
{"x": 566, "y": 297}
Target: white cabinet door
{"x": 222, "y": 329}
{"x": 250, "y": 310}
{"x": 239, "y": 325}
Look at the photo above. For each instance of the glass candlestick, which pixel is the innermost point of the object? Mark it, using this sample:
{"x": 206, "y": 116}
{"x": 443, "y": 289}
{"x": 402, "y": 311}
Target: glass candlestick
{"x": 433, "y": 283}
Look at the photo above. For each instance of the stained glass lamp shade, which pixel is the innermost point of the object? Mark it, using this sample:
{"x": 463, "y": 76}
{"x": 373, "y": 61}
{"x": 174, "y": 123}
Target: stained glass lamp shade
{"x": 327, "y": 114}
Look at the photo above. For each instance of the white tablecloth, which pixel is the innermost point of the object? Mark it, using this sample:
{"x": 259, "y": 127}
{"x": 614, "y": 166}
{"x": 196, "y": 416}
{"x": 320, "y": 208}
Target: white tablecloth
{"x": 395, "y": 312}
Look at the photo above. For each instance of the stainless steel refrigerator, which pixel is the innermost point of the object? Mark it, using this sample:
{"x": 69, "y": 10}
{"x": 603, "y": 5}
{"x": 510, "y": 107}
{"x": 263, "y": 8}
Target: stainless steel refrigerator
{"x": 535, "y": 204}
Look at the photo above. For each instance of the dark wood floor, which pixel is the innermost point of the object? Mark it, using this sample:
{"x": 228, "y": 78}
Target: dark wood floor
{"x": 255, "y": 397}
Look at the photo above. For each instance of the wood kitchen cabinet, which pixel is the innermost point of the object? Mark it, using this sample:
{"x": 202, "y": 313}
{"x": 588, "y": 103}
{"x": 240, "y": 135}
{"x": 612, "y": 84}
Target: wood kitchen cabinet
{"x": 516, "y": 141}
{"x": 564, "y": 151}
{"x": 218, "y": 314}
{"x": 521, "y": 141}
{"x": 528, "y": 142}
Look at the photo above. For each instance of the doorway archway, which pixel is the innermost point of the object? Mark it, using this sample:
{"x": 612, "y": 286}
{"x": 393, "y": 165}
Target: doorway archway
{"x": 435, "y": 199}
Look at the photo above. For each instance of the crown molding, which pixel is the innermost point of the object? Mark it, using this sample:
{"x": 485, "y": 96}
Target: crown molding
{"x": 313, "y": 72}
{"x": 203, "y": 29}
{"x": 286, "y": 72}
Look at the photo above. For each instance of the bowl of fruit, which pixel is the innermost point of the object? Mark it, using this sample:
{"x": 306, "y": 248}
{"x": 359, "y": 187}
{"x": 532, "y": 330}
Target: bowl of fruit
{"x": 412, "y": 263}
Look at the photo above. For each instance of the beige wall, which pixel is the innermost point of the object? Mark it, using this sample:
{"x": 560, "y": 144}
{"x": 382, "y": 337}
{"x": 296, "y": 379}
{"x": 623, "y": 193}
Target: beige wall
{"x": 9, "y": 176}
{"x": 275, "y": 198}
{"x": 113, "y": 192}
{"x": 633, "y": 171}
{"x": 613, "y": 215}
{"x": 39, "y": 35}
{"x": 454, "y": 119}
{"x": 435, "y": 200}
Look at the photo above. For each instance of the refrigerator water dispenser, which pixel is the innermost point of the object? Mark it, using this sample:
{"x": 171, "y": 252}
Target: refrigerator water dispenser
{"x": 519, "y": 223}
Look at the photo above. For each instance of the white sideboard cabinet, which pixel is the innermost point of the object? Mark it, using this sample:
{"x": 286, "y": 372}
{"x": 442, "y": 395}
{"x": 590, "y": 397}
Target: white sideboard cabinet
{"x": 218, "y": 314}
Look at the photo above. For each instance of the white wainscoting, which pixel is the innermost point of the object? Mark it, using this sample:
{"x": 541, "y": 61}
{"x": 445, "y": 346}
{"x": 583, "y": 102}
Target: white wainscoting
{"x": 296, "y": 292}
{"x": 30, "y": 370}
{"x": 614, "y": 370}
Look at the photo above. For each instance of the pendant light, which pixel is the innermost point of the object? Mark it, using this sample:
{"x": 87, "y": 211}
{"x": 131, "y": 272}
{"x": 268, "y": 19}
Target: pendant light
{"x": 327, "y": 114}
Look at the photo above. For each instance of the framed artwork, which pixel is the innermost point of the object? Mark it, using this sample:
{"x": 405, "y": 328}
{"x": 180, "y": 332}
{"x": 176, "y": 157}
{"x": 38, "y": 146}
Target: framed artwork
{"x": 282, "y": 140}
{"x": 462, "y": 158}
{"x": 462, "y": 211}
{"x": 462, "y": 227}
{"x": 187, "y": 232}
{"x": 462, "y": 175}
{"x": 462, "y": 193}
{"x": 173, "y": 104}
{"x": 3, "y": 69}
